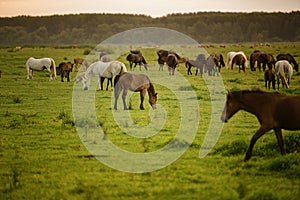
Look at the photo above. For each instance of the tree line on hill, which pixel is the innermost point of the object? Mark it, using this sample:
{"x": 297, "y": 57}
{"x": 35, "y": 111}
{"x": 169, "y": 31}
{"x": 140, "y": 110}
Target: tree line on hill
{"x": 204, "y": 27}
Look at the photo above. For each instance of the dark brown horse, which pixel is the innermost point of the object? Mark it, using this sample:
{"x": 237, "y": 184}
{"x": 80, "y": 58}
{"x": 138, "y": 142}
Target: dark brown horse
{"x": 240, "y": 61}
{"x": 136, "y": 83}
{"x": 64, "y": 69}
{"x": 136, "y": 57}
{"x": 269, "y": 77}
{"x": 273, "y": 111}
{"x": 289, "y": 58}
{"x": 218, "y": 60}
{"x": 262, "y": 59}
{"x": 163, "y": 55}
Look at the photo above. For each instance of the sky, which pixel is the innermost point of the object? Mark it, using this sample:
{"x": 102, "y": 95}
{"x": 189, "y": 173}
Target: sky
{"x": 154, "y": 8}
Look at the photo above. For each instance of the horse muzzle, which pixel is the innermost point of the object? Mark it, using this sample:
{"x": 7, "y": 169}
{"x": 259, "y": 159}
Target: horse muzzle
{"x": 154, "y": 106}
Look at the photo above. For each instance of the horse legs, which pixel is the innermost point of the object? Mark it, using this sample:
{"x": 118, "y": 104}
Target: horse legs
{"x": 108, "y": 80}
{"x": 101, "y": 83}
{"x": 262, "y": 130}
{"x": 278, "y": 134}
{"x": 124, "y": 98}
{"x": 142, "y": 95}
{"x": 117, "y": 91}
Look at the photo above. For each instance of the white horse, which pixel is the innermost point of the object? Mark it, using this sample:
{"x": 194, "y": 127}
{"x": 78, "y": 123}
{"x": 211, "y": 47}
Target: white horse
{"x": 283, "y": 71}
{"x": 34, "y": 64}
{"x": 230, "y": 56}
{"x": 102, "y": 70}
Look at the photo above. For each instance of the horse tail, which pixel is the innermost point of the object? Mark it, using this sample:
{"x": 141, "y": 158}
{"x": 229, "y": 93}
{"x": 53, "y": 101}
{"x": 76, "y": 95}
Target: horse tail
{"x": 116, "y": 80}
{"x": 54, "y": 67}
{"x": 123, "y": 68}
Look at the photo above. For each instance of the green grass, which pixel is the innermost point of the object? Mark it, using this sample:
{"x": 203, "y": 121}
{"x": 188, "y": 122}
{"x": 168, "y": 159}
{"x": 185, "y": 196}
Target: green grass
{"x": 43, "y": 157}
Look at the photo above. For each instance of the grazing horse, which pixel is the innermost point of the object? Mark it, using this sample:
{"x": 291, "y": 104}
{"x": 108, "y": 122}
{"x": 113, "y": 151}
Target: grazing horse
{"x": 172, "y": 61}
{"x": 102, "y": 70}
{"x": 254, "y": 58}
{"x": 211, "y": 67}
{"x": 230, "y": 56}
{"x": 239, "y": 60}
{"x": 269, "y": 77}
{"x": 64, "y": 69}
{"x": 199, "y": 63}
{"x": 40, "y": 64}
{"x": 163, "y": 55}
{"x": 283, "y": 71}
{"x": 267, "y": 59}
{"x": 218, "y": 60}
{"x": 136, "y": 57}
{"x": 273, "y": 111}
{"x": 289, "y": 58}
{"x": 136, "y": 83}
{"x": 82, "y": 62}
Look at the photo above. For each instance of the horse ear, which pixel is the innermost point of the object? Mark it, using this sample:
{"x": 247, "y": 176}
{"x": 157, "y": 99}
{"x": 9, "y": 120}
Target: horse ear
{"x": 155, "y": 94}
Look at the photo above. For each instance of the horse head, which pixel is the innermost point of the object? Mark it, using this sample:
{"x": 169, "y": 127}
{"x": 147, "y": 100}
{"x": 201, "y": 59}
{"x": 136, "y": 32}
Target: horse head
{"x": 231, "y": 107}
{"x": 153, "y": 100}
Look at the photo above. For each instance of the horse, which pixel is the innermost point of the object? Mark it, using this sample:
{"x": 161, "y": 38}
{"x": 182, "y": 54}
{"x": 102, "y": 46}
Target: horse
{"x": 104, "y": 57}
{"x": 82, "y": 62}
{"x": 64, "y": 69}
{"x": 136, "y": 57}
{"x": 273, "y": 110}
{"x": 136, "y": 83}
{"x": 254, "y": 58}
{"x": 230, "y": 56}
{"x": 211, "y": 67}
{"x": 199, "y": 63}
{"x": 269, "y": 77}
{"x": 163, "y": 55}
{"x": 40, "y": 64}
{"x": 283, "y": 71}
{"x": 289, "y": 58}
{"x": 218, "y": 60}
{"x": 267, "y": 59}
{"x": 103, "y": 70}
{"x": 239, "y": 60}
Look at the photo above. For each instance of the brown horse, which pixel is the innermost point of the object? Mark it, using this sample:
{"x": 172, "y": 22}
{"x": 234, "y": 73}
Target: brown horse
{"x": 262, "y": 60}
{"x": 64, "y": 69}
{"x": 240, "y": 61}
{"x": 163, "y": 55}
{"x": 269, "y": 77}
{"x": 136, "y": 83}
{"x": 273, "y": 111}
{"x": 80, "y": 61}
{"x": 136, "y": 57}
{"x": 218, "y": 60}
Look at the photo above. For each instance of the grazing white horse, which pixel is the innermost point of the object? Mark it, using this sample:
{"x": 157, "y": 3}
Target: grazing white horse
{"x": 283, "y": 71}
{"x": 230, "y": 56}
{"x": 40, "y": 64}
{"x": 102, "y": 70}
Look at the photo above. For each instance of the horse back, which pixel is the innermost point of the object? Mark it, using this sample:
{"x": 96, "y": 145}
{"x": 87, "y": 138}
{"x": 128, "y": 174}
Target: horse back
{"x": 287, "y": 112}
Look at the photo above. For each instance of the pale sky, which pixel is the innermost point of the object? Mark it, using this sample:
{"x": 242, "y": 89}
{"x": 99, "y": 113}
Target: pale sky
{"x": 154, "y": 8}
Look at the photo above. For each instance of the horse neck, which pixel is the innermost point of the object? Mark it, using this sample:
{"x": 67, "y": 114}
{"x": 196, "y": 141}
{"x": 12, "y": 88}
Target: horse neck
{"x": 151, "y": 91}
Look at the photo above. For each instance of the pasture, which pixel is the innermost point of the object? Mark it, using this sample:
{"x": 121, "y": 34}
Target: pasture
{"x": 42, "y": 155}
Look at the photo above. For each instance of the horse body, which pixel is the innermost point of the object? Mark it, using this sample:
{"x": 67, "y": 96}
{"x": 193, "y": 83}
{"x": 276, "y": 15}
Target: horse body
{"x": 240, "y": 61}
{"x": 136, "y": 57}
{"x": 269, "y": 77}
{"x": 136, "y": 83}
{"x": 40, "y": 64}
{"x": 103, "y": 70}
{"x": 64, "y": 69}
{"x": 283, "y": 71}
{"x": 273, "y": 111}
{"x": 232, "y": 54}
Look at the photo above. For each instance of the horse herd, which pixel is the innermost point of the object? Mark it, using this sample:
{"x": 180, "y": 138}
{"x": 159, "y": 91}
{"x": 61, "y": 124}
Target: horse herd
{"x": 273, "y": 110}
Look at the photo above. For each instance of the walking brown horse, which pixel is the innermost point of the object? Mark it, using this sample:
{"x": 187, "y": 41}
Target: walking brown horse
{"x": 273, "y": 111}
{"x": 136, "y": 83}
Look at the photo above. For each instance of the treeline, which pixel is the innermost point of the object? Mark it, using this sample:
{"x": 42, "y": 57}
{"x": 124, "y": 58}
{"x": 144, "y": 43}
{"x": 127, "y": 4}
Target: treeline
{"x": 214, "y": 27}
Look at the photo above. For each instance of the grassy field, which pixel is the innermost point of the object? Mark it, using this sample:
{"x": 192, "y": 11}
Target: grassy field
{"x": 42, "y": 156}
